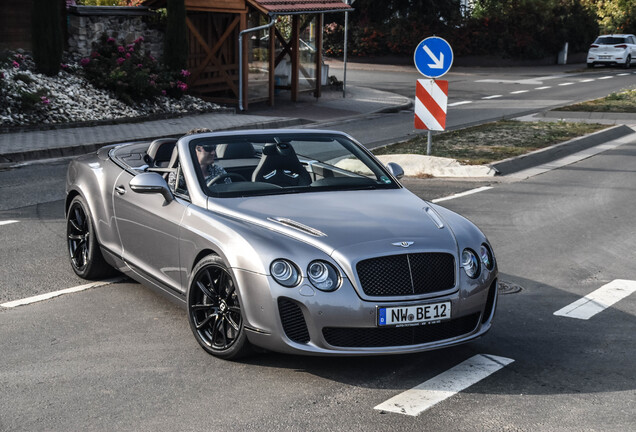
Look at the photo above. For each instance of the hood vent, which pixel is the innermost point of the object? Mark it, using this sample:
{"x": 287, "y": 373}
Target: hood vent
{"x": 297, "y": 225}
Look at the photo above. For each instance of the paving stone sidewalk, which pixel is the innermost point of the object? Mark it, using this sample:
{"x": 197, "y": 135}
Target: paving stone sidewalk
{"x": 43, "y": 144}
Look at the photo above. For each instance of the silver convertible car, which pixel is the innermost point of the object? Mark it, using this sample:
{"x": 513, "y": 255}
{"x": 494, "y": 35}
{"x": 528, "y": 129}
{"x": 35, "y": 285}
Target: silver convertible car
{"x": 294, "y": 241}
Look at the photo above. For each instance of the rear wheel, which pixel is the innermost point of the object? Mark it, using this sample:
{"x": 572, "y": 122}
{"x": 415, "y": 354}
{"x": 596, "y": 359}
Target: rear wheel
{"x": 628, "y": 62}
{"x": 214, "y": 311}
{"x": 86, "y": 258}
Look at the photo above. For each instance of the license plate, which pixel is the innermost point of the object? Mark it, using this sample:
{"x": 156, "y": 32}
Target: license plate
{"x": 605, "y": 57}
{"x": 413, "y": 315}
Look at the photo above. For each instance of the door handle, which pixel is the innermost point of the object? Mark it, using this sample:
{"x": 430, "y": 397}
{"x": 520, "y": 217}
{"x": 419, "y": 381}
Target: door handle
{"x": 120, "y": 190}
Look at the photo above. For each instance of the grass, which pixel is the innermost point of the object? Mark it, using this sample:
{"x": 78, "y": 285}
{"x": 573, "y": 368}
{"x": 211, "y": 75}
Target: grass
{"x": 493, "y": 142}
{"x": 623, "y": 101}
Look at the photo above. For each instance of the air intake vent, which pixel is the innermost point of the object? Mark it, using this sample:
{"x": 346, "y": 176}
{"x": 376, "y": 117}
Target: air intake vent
{"x": 293, "y": 320}
{"x": 400, "y": 336}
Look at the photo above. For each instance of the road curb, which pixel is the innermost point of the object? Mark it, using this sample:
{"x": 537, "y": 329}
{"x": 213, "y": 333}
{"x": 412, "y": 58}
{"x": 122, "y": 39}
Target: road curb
{"x": 557, "y": 151}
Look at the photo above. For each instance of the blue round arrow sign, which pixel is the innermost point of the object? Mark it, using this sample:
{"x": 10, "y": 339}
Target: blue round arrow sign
{"x": 433, "y": 57}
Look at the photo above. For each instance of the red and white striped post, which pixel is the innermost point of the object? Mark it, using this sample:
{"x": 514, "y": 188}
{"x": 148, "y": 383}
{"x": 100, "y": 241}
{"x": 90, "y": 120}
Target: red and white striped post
{"x": 431, "y": 99}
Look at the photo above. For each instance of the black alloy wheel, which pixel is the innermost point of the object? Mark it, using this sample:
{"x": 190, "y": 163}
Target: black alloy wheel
{"x": 214, "y": 311}
{"x": 86, "y": 258}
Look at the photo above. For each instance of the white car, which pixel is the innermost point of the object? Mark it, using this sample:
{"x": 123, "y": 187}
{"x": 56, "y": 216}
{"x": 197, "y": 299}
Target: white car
{"x": 615, "y": 49}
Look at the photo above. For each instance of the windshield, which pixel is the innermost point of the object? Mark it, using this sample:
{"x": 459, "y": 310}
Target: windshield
{"x": 247, "y": 165}
{"x": 609, "y": 40}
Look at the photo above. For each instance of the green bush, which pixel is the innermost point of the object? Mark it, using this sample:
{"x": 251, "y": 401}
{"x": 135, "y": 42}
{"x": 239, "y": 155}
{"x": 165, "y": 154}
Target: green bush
{"x": 130, "y": 73}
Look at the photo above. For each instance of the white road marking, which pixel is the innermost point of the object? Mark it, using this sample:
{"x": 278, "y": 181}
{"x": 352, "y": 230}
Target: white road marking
{"x": 566, "y": 84}
{"x": 598, "y": 300}
{"x": 461, "y": 194}
{"x": 420, "y": 398}
{"x": 47, "y": 296}
{"x": 543, "y": 88}
{"x": 623, "y": 74}
{"x": 588, "y": 80}
{"x": 606, "y": 77}
{"x": 459, "y": 103}
{"x": 519, "y": 91}
{"x": 492, "y": 97}
{"x": 7, "y": 222}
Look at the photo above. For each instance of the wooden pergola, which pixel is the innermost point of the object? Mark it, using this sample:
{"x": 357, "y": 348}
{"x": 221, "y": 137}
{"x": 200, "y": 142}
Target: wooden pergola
{"x": 214, "y": 27}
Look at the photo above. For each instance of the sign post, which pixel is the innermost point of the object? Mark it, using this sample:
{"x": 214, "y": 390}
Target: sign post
{"x": 433, "y": 57}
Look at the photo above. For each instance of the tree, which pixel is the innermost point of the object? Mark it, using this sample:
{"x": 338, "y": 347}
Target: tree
{"x": 48, "y": 44}
{"x": 616, "y": 16}
{"x": 176, "y": 42}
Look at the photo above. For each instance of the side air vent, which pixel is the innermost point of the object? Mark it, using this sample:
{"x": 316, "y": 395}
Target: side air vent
{"x": 297, "y": 225}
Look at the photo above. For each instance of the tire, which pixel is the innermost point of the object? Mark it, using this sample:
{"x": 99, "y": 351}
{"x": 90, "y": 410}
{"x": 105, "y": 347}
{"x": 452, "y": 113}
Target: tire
{"x": 628, "y": 62}
{"x": 590, "y": 65}
{"x": 86, "y": 258}
{"x": 214, "y": 311}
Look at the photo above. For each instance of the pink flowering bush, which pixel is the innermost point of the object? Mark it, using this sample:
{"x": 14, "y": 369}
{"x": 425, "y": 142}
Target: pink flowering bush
{"x": 130, "y": 73}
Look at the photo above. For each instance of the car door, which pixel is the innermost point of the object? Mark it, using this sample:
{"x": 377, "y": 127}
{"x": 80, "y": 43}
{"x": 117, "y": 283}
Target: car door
{"x": 148, "y": 227}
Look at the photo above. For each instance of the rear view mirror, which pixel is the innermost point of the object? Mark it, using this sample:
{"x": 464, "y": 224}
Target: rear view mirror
{"x": 151, "y": 182}
{"x": 395, "y": 169}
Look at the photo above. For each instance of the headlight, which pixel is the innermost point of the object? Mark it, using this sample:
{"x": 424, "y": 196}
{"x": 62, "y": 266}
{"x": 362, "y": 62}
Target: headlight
{"x": 470, "y": 262}
{"x": 486, "y": 257}
{"x": 285, "y": 273}
{"x": 323, "y": 276}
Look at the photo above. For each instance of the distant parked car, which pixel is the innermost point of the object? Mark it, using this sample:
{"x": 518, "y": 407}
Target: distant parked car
{"x": 616, "y": 49}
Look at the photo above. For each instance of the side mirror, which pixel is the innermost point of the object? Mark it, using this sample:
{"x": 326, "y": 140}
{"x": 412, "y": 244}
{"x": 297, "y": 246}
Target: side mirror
{"x": 395, "y": 169}
{"x": 149, "y": 183}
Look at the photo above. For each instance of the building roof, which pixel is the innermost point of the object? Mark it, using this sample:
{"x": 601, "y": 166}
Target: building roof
{"x": 273, "y": 7}
{"x": 284, "y": 7}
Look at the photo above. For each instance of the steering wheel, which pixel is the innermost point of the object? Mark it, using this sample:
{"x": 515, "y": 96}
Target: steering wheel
{"x": 222, "y": 177}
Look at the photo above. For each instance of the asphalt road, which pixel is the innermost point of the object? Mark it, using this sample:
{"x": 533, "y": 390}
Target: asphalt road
{"x": 478, "y": 95}
{"x": 120, "y": 357}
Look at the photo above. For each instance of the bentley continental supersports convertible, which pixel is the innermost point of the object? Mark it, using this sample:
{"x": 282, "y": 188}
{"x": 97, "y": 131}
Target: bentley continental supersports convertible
{"x": 294, "y": 241}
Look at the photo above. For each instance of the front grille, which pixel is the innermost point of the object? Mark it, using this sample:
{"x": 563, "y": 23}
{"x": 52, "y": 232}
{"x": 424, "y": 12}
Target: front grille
{"x": 407, "y": 274}
{"x": 293, "y": 320}
{"x": 399, "y": 336}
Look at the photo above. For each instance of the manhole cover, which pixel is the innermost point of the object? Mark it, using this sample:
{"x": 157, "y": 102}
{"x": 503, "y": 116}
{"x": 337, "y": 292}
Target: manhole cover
{"x": 506, "y": 287}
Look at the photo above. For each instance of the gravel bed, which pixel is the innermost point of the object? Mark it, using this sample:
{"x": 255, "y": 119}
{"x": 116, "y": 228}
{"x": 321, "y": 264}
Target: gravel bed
{"x": 69, "y": 98}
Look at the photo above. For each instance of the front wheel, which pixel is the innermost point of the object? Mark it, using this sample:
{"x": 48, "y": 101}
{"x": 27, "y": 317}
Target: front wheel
{"x": 214, "y": 310}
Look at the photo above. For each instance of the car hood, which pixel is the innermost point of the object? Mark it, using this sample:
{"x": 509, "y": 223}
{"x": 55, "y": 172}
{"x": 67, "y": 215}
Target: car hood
{"x": 359, "y": 223}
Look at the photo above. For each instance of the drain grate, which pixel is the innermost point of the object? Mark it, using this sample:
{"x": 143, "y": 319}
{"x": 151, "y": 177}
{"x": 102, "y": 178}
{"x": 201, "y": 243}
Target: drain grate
{"x": 505, "y": 287}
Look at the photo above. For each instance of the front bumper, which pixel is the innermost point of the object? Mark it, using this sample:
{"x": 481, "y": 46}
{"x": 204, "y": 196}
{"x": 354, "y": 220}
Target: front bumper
{"x": 304, "y": 320}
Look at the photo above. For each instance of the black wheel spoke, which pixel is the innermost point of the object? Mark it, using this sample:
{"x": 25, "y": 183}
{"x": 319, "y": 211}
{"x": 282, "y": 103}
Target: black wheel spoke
{"x": 207, "y": 320}
{"x": 216, "y": 331}
{"x": 75, "y": 225}
{"x": 231, "y": 322}
{"x": 198, "y": 307}
{"x": 230, "y": 290}
{"x": 79, "y": 248}
{"x": 79, "y": 217}
{"x": 221, "y": 285}
{"x": 206, "y": 291}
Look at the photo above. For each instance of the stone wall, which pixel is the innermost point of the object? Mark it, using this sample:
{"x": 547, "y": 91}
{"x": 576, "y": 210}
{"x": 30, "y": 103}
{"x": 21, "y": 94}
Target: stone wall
{"x": 86, "y": 25}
